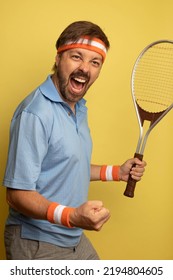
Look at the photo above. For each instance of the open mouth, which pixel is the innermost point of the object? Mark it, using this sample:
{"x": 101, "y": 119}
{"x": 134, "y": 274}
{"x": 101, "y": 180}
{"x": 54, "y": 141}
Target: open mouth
{"x": 78, "y": 83}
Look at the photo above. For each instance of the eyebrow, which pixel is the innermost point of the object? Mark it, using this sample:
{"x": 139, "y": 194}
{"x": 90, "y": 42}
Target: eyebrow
{"x": 81, "y": 54}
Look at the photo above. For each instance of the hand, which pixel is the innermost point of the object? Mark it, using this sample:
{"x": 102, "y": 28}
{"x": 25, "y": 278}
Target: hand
{"x": 136, "y": 171}
{"x": 90, "y": 215}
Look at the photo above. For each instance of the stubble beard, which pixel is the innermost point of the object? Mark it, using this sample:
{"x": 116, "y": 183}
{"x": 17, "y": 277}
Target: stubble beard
{"x": 62, "y": 84}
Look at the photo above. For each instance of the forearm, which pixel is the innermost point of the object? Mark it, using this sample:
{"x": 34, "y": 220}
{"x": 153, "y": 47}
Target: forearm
{"x": 95, "y": 172}
{"x": 91, "y": 215}
{"x": 29, "y": 203}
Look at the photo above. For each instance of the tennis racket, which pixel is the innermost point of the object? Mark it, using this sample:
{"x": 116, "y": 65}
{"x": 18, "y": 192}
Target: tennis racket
{"x": 152, "y": 93}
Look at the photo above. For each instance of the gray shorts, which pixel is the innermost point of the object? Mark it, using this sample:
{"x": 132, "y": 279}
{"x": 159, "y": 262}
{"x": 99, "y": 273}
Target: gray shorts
{"x": 18, "y": 248}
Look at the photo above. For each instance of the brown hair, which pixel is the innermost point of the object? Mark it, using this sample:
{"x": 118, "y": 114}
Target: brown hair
{"x": 81, "y": 28}
{"x": 78, "y": 29}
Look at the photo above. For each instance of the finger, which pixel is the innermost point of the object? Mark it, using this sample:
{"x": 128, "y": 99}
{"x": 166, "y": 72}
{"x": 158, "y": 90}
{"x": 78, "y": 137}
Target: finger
{"x": 102, "y": 215}
{"x": 137, "y": 173}
{"x": 138, "y": 162}
{"x": 100, "y": 224}
{"x": 95, "y": 204}
{"x": 136, "y": 176}
{"x": 138, "y": 168}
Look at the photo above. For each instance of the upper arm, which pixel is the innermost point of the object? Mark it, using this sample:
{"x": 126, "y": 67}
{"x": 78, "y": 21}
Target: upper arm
{"x": 27, "y": 149}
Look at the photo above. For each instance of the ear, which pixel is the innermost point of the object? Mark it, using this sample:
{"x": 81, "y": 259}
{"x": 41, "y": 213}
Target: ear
{"x": 57, "y": 59}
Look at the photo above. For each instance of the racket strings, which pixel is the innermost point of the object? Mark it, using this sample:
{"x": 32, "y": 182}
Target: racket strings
{"x": 153, "y": 78}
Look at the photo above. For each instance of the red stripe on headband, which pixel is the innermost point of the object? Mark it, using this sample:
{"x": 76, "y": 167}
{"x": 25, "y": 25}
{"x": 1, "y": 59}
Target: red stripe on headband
{"x": 86, "y": 43}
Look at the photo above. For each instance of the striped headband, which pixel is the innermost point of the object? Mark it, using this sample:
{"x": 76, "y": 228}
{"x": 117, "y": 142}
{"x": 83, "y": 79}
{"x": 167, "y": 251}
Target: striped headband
{"x": 86, "y": 42}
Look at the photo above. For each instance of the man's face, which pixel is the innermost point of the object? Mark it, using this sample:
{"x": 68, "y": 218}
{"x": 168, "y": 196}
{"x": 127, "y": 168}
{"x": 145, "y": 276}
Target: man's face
{"x": 77, "y": 69}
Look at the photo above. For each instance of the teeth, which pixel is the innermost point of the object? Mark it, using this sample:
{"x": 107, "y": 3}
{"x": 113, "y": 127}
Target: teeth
{"x": 80, "y": 80}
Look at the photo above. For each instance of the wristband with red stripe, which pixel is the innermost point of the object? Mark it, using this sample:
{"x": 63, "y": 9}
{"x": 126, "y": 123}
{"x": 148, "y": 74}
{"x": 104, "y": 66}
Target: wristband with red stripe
{"x": 59, "y": 214}
{"x": 110, "y": 173}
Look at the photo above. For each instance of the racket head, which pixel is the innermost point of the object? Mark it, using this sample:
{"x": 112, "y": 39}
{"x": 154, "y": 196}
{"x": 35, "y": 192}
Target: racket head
{"x": 152, "y": 91}
{"x": 152, "y": 81}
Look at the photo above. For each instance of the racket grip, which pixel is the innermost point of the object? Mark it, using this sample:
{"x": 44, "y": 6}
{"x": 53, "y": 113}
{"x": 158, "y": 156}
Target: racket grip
{"x": 131, "y": 183}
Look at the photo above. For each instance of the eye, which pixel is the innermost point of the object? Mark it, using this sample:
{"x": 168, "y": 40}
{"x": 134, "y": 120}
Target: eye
{"x": 76, "y": 57}
{"x": 96, "y": 63}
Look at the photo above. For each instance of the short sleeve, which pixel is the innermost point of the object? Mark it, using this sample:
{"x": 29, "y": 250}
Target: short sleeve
{"x": 27, "y": 149}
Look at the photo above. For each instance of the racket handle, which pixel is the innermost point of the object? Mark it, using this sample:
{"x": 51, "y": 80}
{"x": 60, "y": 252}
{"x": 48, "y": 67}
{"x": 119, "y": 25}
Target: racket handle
{"x": 131, "y": 183}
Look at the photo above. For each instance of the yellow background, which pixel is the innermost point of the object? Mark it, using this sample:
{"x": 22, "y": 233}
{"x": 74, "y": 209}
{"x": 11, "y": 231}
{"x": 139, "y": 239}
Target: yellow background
{"x": 139, "y": 228}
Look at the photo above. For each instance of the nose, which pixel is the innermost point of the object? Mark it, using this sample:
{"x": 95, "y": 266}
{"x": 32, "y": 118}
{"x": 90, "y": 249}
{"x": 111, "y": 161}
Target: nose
{"x": 84, "y": 66}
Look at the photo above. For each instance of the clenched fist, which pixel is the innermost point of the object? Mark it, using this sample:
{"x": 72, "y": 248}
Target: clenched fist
{"x": 91, "y": 216}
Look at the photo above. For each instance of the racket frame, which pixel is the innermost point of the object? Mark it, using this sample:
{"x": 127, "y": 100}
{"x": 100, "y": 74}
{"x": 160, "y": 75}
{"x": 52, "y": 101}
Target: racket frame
{"x": 154, "y": 118}
{"x": 142, "y": 116}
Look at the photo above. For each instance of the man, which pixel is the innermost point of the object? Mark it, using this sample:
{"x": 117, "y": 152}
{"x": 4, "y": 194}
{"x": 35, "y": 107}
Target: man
{"x": 48, "y": 170}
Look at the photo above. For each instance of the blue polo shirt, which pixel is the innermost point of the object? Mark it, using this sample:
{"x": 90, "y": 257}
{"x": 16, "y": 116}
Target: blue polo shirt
{"x": 49, "y": 152}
